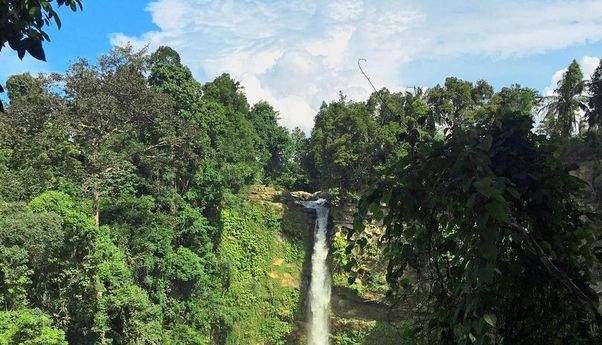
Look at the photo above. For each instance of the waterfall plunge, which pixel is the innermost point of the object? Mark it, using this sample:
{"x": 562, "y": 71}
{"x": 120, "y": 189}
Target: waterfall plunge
{"x": 319, "y": 291}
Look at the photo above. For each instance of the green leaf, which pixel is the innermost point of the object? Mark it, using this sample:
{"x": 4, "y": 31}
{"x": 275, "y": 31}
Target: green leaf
{"x": 34, "y": 48}
{"x": 498, "y": 211}
{"x": 491, "y": 319}
{"x": 57, "y": 20}
{"x": 21, "y": 53}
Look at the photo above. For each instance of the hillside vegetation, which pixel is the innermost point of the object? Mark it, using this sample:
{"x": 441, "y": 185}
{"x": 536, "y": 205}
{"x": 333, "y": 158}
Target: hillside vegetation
{"x": 134, "y": 210}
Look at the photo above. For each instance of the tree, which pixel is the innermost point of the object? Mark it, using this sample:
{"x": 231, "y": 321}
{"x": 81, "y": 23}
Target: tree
{"x": 297, "y": 161}
{"x": 274, "y": 139}
{"x": 517, "y": 100}
{"x": 22, "y": 24}
{"x": 486, "y": 248}
{"x": 114, "y": 118}
{"x": 454, "y": 103}
{"x": 36, "y": 150}
{"x": 166, "y": 56}
{"x": 561, "y": 109}
{"x": 594, "y": 108}
{"x": 88, "y": 264}
{"x": 198, "y": 126}
{"x": 30, "y": 327}
{"x": 234, "y": 136}
{"x": 341, "y": 144}
{"x": 400, "y": 117}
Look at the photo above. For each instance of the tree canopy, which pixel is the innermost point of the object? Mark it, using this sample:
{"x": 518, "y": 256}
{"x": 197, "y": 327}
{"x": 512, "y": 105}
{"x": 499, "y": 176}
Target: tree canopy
{"x": 130, "y": 211}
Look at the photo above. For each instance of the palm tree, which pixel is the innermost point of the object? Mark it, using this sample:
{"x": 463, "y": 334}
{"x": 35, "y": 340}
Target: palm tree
{"x": 561, "y": 109}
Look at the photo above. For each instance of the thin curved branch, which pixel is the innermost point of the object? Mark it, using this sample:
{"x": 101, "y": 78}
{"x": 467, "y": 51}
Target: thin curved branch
{"x": 364, "y": 73}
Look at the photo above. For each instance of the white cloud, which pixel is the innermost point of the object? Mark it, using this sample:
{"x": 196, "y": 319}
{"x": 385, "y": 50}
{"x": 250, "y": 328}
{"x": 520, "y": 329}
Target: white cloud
{"x": 588, "y": 65}
{"x": 549, "y": 90}
{"x": 297, "y": 53}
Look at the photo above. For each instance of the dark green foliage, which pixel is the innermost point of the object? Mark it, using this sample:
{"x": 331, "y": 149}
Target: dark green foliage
{"x": 498, "y": 247}
{"x": 352, "y": 142}
{"x": 22, "y": 24}
{"x": 274, "y": 140}
{"x": 235, "y": 138}
{"x": 62, "y": 263}
{"x": 594, "y": 106}
{"x": 516, "y": 100}
{"x": 35, "y": 150}
{"x": 297, "y": 162}
{"x": 196, "y": 166}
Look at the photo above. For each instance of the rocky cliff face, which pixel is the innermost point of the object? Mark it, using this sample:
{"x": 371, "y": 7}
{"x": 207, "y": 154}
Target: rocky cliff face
{"x": 358, "y": 313}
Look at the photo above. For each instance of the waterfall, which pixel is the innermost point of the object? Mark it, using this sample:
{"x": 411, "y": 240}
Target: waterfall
{"x": 319, "y": 290}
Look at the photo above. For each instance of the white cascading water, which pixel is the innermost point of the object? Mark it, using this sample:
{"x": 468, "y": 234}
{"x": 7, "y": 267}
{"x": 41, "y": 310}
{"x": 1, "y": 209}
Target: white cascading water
{"x": 319, "y": 289}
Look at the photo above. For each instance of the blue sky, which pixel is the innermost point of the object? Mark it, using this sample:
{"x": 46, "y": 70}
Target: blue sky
{"x": 296, "y": 53}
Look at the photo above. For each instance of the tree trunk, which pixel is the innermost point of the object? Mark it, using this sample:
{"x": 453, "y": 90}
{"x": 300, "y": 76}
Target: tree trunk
{"x": 102, "y": 334}
{"x": 96, "y": 207}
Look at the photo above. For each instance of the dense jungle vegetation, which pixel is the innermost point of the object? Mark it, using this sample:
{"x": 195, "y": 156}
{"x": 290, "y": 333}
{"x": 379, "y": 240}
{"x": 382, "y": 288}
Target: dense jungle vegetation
{"x": 124, "y": 216}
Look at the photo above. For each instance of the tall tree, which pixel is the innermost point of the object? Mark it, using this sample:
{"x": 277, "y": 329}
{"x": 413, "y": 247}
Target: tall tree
{"x": 398, "y": 117}
{"x": 112, "y": 110}
{"x": 453, "y": 103}
{"x": 274, "y": 139}
{"x": 298, "y": 161}
{"x": 594, "y": 109}
{"x": 340, "y": 141}
{"x": 195, "y": 167}
{"x": 561, "y": 109}
{"x": 35, "y": 147}
{"x": 516, "y": 99}
{"x": 235, "y": 138}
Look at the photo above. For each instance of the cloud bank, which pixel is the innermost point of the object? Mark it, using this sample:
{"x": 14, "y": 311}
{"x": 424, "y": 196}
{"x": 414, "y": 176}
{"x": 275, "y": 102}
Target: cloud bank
{"x": 297, "y": 53}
